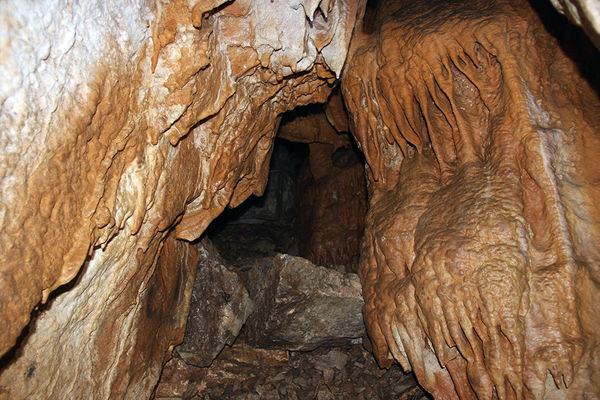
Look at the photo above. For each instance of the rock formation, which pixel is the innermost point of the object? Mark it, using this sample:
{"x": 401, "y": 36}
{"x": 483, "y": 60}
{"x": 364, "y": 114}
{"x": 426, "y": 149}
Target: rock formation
{"x": 124, "y": 124}
{"x": 301, "y": 306}
{"x": 585, "y": 13}
{"x": 242, "y": 372}
{"x": 480, "y": 262}
{"x": 127, "y": 127}
{"x": 219, "y": 307}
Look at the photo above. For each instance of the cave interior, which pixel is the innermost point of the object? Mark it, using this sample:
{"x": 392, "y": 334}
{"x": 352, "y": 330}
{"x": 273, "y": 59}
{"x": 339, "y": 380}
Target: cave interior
{"x": 402, "y": 201}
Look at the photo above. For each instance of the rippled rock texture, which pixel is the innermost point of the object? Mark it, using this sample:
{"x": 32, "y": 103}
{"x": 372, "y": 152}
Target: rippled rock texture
{"x": 480, "y": 265}
{"x": 123, "y": 124}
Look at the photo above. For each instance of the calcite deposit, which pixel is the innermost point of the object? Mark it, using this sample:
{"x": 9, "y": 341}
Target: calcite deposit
{"x": 122, "y": 125}
{"x": 480, "y": 263}
{"x": 126, "y": 127}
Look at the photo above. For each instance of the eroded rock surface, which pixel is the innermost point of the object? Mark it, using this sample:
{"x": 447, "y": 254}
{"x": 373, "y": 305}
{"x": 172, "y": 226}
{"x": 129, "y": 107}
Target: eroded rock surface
{"x": 91, "y": 354}
{"x": 121, "y": 123}
{"x": 219, "y": 307}
{"x": 480, "y": 263}
{"x": 301, "y": 306}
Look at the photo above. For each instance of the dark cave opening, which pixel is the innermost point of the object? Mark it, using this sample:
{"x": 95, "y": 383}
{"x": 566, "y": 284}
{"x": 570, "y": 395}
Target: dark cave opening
{"x": 267, "y": 218}
{"x": 314, "y": 202}
{"x": 277, "y": 310}
{"x": 94, "y": 202}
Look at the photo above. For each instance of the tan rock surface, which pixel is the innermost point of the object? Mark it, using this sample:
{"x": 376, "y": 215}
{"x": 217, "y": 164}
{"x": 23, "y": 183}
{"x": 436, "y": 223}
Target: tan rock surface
{"x": 480, "y": 261}
{"x": 118, "y": 123}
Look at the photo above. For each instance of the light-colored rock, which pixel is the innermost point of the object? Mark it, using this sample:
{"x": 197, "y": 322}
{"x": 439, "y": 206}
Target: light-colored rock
{"x": 301, "y": 306}
{"x": 585, "y": 13}
{"x": 120, "y": 121}
{"x": 219, "y": 307}
{"x": 107, "y": 337}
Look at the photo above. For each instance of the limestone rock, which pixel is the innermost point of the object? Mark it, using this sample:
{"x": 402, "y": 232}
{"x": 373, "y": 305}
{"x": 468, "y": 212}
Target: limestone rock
{"x": 76, "y": 343}
{"x": 331, "y": 209}
{"x": 175, "y": 379}
{"x": 331, "y": 190}
{"x": 480, "y": 258}
{"x": 120, "y": 124}
{"x": 300, "y": 306}
{"x": 219, "y": 307}
{"x": 585, "y": 13}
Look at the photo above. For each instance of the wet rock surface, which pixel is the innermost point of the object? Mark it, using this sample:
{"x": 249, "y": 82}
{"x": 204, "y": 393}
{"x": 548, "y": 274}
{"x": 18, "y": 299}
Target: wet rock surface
{"x": 301, "y": 306}
{"x": 478, "y": 268}
{"x": 219, "y": 306}
{"x": 121, "y": 126}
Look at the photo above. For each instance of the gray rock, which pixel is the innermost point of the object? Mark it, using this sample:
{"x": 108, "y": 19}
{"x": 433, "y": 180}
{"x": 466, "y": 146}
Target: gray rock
{"x": 301, "y": 306}
{"x": 334, "y": 359}
{"x": 219, "y": 307}
{"x": 275, "y": 204}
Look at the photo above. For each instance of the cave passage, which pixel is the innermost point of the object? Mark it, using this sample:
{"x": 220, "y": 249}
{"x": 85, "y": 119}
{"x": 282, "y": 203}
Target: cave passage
{"x": 413, "y": 190}
{"x": 282, "y": 267}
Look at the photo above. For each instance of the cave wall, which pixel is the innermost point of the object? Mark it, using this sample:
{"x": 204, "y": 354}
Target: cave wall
{"x": 126, "y": 126}
{"x": 331, "y": 208}
{"x": 585, "y": 13}
{"x": 331, "y": 198}
{"x": 480, "y": 263}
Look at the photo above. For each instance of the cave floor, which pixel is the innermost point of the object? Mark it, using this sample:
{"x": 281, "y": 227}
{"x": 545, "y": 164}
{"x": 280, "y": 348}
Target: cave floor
{"x": 242, "y": 371}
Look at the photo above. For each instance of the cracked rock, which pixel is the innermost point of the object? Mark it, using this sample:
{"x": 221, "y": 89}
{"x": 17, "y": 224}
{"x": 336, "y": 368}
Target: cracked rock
{"x": 219, "y": 307}
{"x": 301, "y": 306}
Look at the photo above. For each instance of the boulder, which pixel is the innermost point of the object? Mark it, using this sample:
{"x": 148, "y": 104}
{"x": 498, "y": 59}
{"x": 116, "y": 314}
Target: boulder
{"x": 301, "y": 306}
{"x": 219, "y": 307}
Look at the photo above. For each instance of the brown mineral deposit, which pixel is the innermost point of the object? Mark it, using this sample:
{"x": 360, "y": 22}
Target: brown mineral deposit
{"x": 480, "y": 258}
